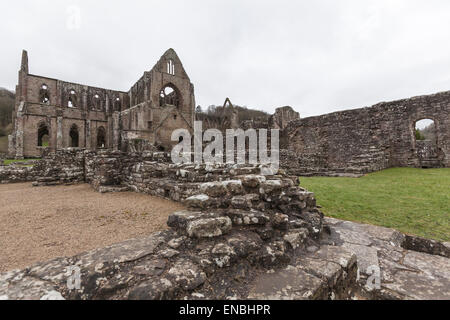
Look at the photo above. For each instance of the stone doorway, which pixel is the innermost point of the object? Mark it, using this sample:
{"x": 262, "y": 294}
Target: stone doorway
{"x": 426, "y": 142}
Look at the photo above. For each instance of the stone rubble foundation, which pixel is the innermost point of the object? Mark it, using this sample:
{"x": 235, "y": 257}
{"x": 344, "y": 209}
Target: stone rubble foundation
{"x": 242, "y": 236}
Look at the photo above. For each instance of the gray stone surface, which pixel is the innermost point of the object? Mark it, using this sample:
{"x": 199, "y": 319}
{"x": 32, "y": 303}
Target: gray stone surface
{"x": 404, "y": 274}
{"x": 248, "y": 236}
{"x": 358, "y": 141}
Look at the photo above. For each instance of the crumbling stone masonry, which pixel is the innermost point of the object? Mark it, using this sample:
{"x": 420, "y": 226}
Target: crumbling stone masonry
{"x": 62, "y": 167}
{"x": 368, "y": 139}
{"x": 242, "y": 236}
{"x": 237, "y": 218}
{"x": 282, "y": 116}
{"x": 54, "y": 114}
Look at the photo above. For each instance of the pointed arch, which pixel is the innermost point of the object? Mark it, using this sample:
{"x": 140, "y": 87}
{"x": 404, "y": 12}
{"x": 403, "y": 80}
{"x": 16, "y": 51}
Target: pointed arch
{"x": 43, "y": 135}
{"x": 74, "y": 136}
{"x": 117, "y": 104}
{"x": 169, "y": 95}
{"x": 97, "y": 101}
{"x": 101, "y": 137}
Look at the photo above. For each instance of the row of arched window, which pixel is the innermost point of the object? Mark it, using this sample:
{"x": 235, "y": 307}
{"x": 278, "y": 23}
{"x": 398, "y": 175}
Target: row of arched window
{"x": 72, "y": 101}
{"x": 44, "y": 136}
{"x": 169, "y": 95}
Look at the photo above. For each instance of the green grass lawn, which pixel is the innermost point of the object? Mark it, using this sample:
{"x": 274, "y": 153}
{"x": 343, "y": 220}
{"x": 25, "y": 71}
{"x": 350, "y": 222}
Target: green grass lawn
{"x": 10, "y": 161}
{"x": 414, "y": 201}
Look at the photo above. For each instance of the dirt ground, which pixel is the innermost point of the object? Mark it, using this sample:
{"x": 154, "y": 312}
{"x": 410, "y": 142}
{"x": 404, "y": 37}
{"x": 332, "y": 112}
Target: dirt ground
{"x": 42, "y": 223}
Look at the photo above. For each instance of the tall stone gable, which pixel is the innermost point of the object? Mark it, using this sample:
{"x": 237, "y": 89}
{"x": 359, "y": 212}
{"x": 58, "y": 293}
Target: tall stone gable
{"x": 51, "y": 114}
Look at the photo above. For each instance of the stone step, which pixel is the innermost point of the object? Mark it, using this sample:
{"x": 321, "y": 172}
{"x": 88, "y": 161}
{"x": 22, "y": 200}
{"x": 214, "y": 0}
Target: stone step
{"x": 329, "y": 273}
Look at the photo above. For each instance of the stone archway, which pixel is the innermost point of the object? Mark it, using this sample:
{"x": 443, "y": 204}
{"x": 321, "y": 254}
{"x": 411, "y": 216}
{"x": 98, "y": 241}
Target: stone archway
{"x": 43, "y": 135}
{"x": 74, "y": 136}
{"x": 426, "y": 143}
{"x": 101, "y": 138}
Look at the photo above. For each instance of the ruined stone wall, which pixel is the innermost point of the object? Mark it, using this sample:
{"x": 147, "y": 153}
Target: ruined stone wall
{"x": 239, "y": 226}
{"x": 61, "y": 167}
{"x": 150, "y": 116}
{"x": 15, "y": 174}
{"x": 242, "y": 236}
{"x": 367, "y": 139}
{"x": 90, "y": 108}
{"x": 282, "y": 116}
{"x": 60, "y": 106}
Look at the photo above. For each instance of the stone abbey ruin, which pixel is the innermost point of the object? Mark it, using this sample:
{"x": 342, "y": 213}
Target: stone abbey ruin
{"x": 73, "y": 115}
{"x": 347, "y": 142}
{"x": 242, "y": 235}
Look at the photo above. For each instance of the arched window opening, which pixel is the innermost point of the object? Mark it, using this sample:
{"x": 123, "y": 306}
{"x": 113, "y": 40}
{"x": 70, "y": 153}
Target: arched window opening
{"x": 101, "y": 138}
{"x": 96, "y": 102}
{"x": 74, "y": 137}
{"x": 169, "y": 96}
{"x": 425, "y": 130}
{"x": 170, "y": 67}
{"x": 44, "y": 96}
{"x": 117, "y": 104}
{"x": 43, "y": 136}
{"x": 72, "y": 102}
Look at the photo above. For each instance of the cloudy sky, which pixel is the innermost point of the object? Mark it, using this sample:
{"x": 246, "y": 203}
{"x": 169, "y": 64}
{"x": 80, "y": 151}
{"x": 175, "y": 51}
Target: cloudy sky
{"x": 316, "y": 56}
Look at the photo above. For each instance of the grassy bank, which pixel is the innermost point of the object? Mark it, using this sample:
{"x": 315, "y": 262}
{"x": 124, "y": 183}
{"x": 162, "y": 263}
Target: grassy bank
{"x": 415, "y": 201}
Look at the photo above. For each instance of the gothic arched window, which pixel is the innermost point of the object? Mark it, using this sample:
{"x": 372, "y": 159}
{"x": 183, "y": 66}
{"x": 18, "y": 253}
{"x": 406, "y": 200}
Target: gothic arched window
{"x": 169, "y": 96}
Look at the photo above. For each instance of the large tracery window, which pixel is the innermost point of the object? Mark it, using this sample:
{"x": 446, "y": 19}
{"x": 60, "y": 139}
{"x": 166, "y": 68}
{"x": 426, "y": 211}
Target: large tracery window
{"x": 169, "y": 96}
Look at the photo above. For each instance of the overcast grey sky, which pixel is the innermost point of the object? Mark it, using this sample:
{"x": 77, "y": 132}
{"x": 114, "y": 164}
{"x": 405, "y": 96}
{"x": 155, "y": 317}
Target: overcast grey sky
{"x": 316, "y": 56}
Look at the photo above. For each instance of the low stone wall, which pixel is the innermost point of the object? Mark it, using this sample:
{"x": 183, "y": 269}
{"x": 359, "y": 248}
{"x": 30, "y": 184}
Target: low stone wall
{"x": 108, "y": 171}
{"x": 62, "y": 167}
{"x": 15, "y": 174}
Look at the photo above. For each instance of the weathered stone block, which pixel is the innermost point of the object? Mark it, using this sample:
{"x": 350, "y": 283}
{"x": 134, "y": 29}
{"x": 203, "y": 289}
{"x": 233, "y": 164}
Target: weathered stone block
{"x": 248, "y": 217}
{"x": 209, "y": 227}
{"x": 296, "y": 237}
{"x": 198, "y": 201}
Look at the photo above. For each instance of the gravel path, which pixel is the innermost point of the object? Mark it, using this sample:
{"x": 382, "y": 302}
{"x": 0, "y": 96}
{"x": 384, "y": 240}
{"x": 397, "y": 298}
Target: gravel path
{"x": 38, "y": 224}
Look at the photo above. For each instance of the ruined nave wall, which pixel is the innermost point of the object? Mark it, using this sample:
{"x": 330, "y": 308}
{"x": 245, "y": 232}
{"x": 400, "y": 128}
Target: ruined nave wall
{"x": 367, "y": 139}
